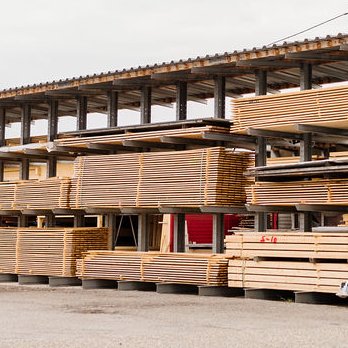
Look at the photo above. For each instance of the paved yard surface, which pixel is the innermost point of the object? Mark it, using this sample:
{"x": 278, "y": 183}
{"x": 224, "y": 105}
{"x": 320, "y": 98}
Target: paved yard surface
{"x": 37, "y": 316}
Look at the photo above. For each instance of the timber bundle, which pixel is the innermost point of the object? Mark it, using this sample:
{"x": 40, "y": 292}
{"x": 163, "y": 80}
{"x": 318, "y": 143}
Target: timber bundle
{"x": 327, "y": 106}
{"x": 184, "y": 268}
{"x": 48, "y": 251}
{"x": 204, "y": 177}
{"x": 7, "y": 195}
{"x": 318, "y": 191}
{"x": 296, "y": 261}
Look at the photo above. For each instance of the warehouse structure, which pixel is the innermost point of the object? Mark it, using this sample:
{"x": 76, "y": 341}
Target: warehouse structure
{"x": 268, "y": 70}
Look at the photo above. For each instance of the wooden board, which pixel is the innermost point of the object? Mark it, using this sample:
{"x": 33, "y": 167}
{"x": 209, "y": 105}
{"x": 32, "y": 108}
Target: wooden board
{"x": 184, "y": 268}
{"x": 287, "y": 275}
{"x": 203, "y": 177}
{"x": 327, "y": 106}
{"x": 287, "y": 245}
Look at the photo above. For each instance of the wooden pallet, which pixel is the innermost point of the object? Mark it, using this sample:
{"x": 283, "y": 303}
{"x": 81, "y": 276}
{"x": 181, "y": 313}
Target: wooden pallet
{"x": 327, "y": 106}
{"x": 184, "y": 268}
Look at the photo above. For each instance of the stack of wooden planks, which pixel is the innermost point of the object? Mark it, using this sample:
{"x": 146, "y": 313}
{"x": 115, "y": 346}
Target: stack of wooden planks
{"x": 181, "y": 268}
{"x": 151, "y": 136}
{"x": 317, "y": 191}
{"x": 8, "y": 246}
{"x": 327, "y": 106}
{"x": 295, "y": 261}
{"x": 42, "y": 194}
{"x": 49, "y": 252}
{"x": 203, "y": 177}
{"x": 7, "y": 195}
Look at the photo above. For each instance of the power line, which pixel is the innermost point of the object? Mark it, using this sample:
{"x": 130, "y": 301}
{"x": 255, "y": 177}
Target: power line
{"x": 310, "y": 28}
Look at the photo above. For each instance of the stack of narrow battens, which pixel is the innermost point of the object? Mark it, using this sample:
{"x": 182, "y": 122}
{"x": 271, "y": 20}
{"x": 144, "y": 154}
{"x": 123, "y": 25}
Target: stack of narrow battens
{"x": 43, "y": 194}
{"x": 8, "y": 246}
{"x": 295, "y": 261}
{"x": 327, "y": 106}
{"x": 7, "y": 195}
{"x": 117, "y": 139}
{"x": 181, "y": 268}
{"x": 48, "y": 252}
{"x": 203, "y": 177}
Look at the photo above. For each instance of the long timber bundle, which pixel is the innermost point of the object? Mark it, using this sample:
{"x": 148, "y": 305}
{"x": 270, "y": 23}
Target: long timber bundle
{"x": 8, "y": 246}
{"x": 327, "y": 106}
{"x": 204, "y": 177}
{"x": 54, "y": 251}
{"x": 318, "y": 191}
{"x": 307, "y": 245}
{"x": 7, "y": 195}
{"x": 117, "y": 139}
{"x": 296, "y": 261}
{"x": 184, "y": 268}
{"x": 43, "y": 194}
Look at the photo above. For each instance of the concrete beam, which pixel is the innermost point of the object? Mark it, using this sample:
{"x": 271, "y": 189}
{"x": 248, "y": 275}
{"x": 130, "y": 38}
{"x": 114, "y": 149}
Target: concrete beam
{"x": 220, "y": 291}
{"x": 32, "y": 279}
{"x": 7, "y": 278}
{"x": 266, "y": 294}
{"x": 90, "y": 284}
{"x": 124, "y": 285}
{"x": 64, "y": 281}
{"x": 170, "y": 288}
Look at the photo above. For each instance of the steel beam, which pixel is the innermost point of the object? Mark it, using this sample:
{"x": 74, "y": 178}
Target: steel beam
{"x": 51, "y": 167}
{"x": 81, "y": 112}
{"x": 274, "y": 134}
{"x": 219, "y": 96}
{"x": 181, "y": 100}
{"x": 112, "y": 108}
{"x": 179, "y": 233}
{"x": 305, "y": 76}
{"x": 52, "y": 120}
{"x": 2, "y": 138}
{"x": 79, "y": 220}
{"x": 261, "y": 82}
{"x": 218, "y": 233}
{"x": 143, "y": 233}
{"x": 306, "y": 148}
{"x": 145, "y": 105}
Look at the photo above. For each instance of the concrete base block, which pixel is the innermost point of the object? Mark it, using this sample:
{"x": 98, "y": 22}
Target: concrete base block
{"x": 32, "y": 279}
{"x": 266, "y": 294}
{"x": 88, "y": 284}
{"x": 6, "y": 278}
{"x": 125, "y": 285}
{"x": 318, "y": 298}
{"x": 222, "y": 291}
{"x": 170, "y": 288}
{"x": 64, "y": 281}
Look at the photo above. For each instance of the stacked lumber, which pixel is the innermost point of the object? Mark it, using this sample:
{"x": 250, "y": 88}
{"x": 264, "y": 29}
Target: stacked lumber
{"x": 54, "y": 251}
{"x": 42, "y": 194}
{"x": 318, "y": 191}
{"x": 182, "y": 268}
{"x": 151, "y": 136}
{"x": 289, "y": 159}
{"x": 7, "y": 194}
{"x": 296, "y": 261}
{"x": 8, "y": 245}
{"x": 327, "y": 106}
{"x": 209, "y": 177}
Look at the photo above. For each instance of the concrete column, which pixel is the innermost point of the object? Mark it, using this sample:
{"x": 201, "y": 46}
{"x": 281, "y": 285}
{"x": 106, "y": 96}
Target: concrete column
{"x": 145, "y": 105}
{"x": 81, "y": 113}
{"x": 219, "y": 96}
{"x": 112, "y": 108}
{"x": 218, "y": 233}
{"x": 181, "y": 100}
{"x": 179, "y": 233}
{"x": 143, "y": 233}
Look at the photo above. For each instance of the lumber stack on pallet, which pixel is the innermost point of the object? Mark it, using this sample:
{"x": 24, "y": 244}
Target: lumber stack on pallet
{"x": 204, "y": 177}
{"x": 8, "y": 246}
{"x": 7, "y": 195}
{"x": 54, "y": 251}
{"x": 296, "y": 261}
{"x": 43, "y": 194}
{"x": 317, "y": 191}
{"x": 151, "y": 136}
{"x": 181, "y": 268}
{"x": 327, "y": 106}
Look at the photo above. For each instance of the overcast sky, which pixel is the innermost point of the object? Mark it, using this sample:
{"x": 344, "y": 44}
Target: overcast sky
{"x": 44, "y": 40}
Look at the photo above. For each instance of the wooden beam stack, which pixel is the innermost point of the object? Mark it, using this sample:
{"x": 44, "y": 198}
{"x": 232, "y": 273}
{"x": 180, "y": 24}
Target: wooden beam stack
{"x": 203, "y": 177}
{"x": 43, "y": 194}
{"x": 48, "y": 252}
{"x": 327, "y": 106}
{"x": 317, "y": 191}
{"x": 7, "y": 195}
{"x": 295, "y": 261}
{"x": 181, "y": 268}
